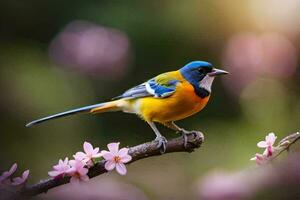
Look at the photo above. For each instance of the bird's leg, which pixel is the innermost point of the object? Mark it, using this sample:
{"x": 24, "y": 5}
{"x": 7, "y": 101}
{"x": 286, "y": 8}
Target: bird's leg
{"x": 162, "y": 141}
{"x": 176, "y": 128}
{"x": 183, "y": 132}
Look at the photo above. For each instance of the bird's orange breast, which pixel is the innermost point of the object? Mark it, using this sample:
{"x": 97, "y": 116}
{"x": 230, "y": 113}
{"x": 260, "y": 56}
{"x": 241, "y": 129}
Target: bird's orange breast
{"x": 183, "y": 103}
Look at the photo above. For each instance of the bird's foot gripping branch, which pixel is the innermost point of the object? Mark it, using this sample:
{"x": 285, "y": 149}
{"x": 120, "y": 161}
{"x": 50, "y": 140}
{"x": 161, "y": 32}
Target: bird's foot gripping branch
{"x": 93, "y": 162}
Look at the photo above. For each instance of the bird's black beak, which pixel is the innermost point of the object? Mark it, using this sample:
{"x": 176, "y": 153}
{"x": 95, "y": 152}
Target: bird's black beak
{"x": 217, "y": 72}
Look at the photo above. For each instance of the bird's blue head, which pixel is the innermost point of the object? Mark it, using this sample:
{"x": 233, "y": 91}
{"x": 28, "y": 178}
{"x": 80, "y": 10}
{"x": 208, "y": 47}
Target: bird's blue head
{"x": 201, "y": 75}
{"x": 196, "y": 69}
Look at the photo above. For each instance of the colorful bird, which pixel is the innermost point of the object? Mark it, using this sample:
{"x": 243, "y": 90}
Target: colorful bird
{"x": 166, "y": 98}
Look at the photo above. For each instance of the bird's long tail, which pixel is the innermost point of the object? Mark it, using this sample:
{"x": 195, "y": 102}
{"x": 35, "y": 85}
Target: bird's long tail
{"x": 97, "y": 108}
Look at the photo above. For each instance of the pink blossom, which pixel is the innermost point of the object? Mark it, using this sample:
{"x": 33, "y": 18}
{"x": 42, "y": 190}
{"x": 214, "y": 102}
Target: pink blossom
{"x": 260, "y": 159}
{"x": 116, "y": 158}
{"x": 20, "y": 180}
{"x": 77, "y": 171}
{"x": 268, "y": 144}
{"x": 60, "y": 169}
{"x": 88, "y": 154}
{"x": 269, "y": 151}
{"x": 4, "y": 178}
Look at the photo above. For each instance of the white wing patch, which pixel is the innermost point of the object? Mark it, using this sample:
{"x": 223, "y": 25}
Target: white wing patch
{"x": 149, "y": 89}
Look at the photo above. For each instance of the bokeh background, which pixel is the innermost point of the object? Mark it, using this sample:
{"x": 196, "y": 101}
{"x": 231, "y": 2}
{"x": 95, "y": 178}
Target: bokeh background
{"x": 59, "y": 55}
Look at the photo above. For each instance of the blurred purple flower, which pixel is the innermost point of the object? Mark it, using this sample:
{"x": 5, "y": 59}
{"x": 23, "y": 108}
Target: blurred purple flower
{"x": 223, "y": 186}
{"x": 60, "y": 169}
{"x": 92, "y": 49}
{"x": 88, "y": 155}
{"x": 20, "y": 180}
{"x": 116, "y": 158}
{"x": 5, "y": 178}
{"x": 102, "y": 187}
{"x": 248, "y": 56}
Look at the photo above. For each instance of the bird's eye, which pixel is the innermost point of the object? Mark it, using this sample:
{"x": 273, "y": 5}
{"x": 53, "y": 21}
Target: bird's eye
{"x": 204, "y": 70}
{"x": 201, "y": 70}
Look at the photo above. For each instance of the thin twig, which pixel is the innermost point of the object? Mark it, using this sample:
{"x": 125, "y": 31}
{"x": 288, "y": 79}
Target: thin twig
{"x": 137, "y": 152}
{"x": 286, "y": 143}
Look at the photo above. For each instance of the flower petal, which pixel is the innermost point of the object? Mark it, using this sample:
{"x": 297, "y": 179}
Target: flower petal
{"x": 60, "y": 162}
{"x": 2, "y": 177}
{"x": 260, "y": 159}
{"x": 21, "y": 180}
{"x": 126, "y": 158}
{"x": 13, "y": 168}
{"x": 107, "y": 155}
{"x": 17, "y": 181}
{"x": 54, "y": 173}
{"x": 113, "y": 147}
{"x": 74, "y": 180}
{"x": 72, "y": 163}
{"x": 79, "y": 164}
{"x": 79, "y": 156}
{"x": 8, "y": 173}
{"x": 84, "y": 178}
{"x": 83, "y": 171}
{"x": 270, "y": 139}
{"x": 262, "y": 144}
{"x": 121, "y": 168}
{"x": 88, "y": 148}
{"x": 268, "y": 151}
{"x": 123, "y": 152}
{"x": 95, "y": 151}
{"x": 109, "y": 165}
{"x": 57, "y": 167}
{"x": 66, "y": 161}
{"x": 25, "y": 174}
{"x": 89, "y": 163}
{"x": 71, "y": 171}
{"x": 259, "y": 156}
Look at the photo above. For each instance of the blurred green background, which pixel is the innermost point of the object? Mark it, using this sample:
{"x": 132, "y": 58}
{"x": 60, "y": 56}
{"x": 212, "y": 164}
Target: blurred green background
{"x": 59, "y": 55}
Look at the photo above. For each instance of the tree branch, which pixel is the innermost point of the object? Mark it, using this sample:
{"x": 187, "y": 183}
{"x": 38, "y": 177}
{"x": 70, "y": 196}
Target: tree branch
{"x": 286, "y": 143}
{"x": 137, "y": 152}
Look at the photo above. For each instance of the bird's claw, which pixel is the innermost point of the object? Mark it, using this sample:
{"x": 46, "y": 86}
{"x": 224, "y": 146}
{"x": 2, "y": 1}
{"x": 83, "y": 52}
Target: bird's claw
{"x": 185, "y": 133}
{"x": 162, "y": 144}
